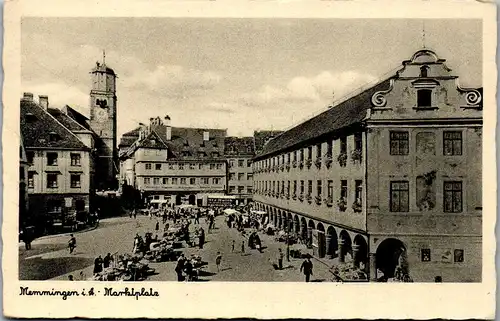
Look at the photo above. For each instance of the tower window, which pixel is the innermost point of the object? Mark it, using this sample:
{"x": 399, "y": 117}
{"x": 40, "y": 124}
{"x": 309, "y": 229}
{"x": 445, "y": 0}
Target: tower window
{"x": 424, "y": 98}
{"x": 423, "y": 71}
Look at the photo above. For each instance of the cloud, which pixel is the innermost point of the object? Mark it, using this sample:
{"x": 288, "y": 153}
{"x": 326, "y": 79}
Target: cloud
{"x": 60, "y": 95}
{"x": 325, "y": 85}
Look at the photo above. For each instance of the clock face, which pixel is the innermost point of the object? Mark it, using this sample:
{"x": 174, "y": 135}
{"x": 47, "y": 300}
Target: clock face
{"x": 101, "y": 114}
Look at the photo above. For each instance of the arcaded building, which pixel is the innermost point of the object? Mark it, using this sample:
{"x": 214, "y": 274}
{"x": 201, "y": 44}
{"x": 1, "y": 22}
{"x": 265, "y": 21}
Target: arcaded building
{"x": 390, "y": 174}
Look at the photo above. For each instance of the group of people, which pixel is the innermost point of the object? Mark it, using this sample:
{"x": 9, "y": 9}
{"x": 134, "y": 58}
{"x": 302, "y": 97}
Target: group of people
{"x": 102, "y": 263}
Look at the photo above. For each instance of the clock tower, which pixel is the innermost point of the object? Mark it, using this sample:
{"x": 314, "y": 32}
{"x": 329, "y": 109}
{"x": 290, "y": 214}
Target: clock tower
{"x": 103, "y": 123}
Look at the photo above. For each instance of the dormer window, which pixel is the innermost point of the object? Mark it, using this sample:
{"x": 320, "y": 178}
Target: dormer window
{"x": 424, "y": 98}
{"x": 153, "y": 142}
{"x": 53, "y": 137}
{"x": 423, "y": 71}
{"x": 30, "y": 117}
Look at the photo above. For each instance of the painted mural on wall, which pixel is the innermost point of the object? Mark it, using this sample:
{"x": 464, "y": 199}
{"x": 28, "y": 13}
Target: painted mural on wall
{"x": 426, "y": 191}
{"x": 426, "y": 143}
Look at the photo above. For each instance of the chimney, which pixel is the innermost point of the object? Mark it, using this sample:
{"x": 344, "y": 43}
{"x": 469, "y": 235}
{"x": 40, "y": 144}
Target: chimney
{"x": 168, "y": 127}
{"x": 43, "y": 101}
{"x": 28, "y": 96}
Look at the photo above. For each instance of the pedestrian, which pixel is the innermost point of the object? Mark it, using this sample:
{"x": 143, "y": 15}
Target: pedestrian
{"x": 70, "y": 278}
{"x": 107, "y": 260}
{"x": 71, "y": 244}
{"x": 27, "y": 238}
{"x": 188, "y": 269}
{"x": 243, "y": 247}
{"x": 98, "y": 265}
{"x": 218, "y": 261}
{"x": 201, "y": 238}
{"x": 307, "y": 267}
{"x": 180, "y": 267}
{"x": 280, "y": 259}
{"x": 157, "y": 227}
{"x": 134, "y": 213}
{"x": 232, "y": 247}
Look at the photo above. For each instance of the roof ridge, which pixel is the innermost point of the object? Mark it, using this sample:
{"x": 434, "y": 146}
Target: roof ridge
{"x": 58, "y": 122}
{"x": 74, "y": 121}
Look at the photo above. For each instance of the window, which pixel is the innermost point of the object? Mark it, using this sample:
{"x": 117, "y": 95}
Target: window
{"x": 358, "y": 141}
{"x": 192, "y": 181}
{"x": 75, "y": 181}
{"x": 75, "y": 159}
{"x": 52, "y": 180}
{"x": 329, "y": 147}
{"x": 30, "y": 156}
{"x": 294, "y": 187}
{"x": 301, "y": 155}
{"x": 343, "y": 188}
{"x": 206, "y": 136}
{"x": 232, "y": 176}
{"x": 216, "y": 180}
{"x": 249, "y": 176}
{"x": 425, "y": 255}
{"x": 301, "y": 187}
{"x": 318, "y": 151}
{"x": 343, "y": 145}
{"x": 309, "y": 152}
{"x": 452, "y": 143}
{"x": 158, "y": 167}
{"x": 359, "y": 190}
{"x": 202, "y": 154}
{"x": 147, "y": 181}
{"x": 80, "y": 205}
{"x": 232, "y": 189}
{"x": 192, "y": 166}
{"x": 309, "y": 187}
{"x": 219, "y": 166}
{"x": 204, "y": 180}
{"x": 282, "y": 187}
{"x": 249, "y": 189}
{"x": 170, "y": 166}
{"x": 174, "y": 180}
{"x": 330, "y": 188}
{"x": 241, "y": 189}
{"x": 399, "y": 196}
{"x": 54, "y": 206}
{"x": 181, "y": 166}
{"x": 423, "y": 71}
{"x": 165, "y": 180}
{"x": 241, "y": 163}
{"x": 53, "y": 137}
{"x": 215, "y": 154}
{"x": 319, "y": 188}
{"x": 241, "y": 176}
{"x": 31, "y": 179}
{"x": 212, "y": 166}
{"x": 453, "y": 197}
{"x": 156, "y": 181}
{"x": 200, "y": 166}
{"x": 458, "y": 256}
{"x": 249, "y": 163}
{"x": 183, "y": 181}
{"x": 424, "y": 98}
{"x": 148, "y": 166}
{"x": 274, "y": 186}
{"x": 156, "y": 197}
{"x": 52, "y": 159}
{"x": 294, "y": 156}
{"x": 231, "y": 163}
{"x": 399, "y": 142}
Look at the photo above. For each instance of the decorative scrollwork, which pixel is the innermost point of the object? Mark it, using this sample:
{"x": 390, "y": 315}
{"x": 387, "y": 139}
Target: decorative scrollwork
{"x": 473, "y": 97}
{"x": 378, "y": 99}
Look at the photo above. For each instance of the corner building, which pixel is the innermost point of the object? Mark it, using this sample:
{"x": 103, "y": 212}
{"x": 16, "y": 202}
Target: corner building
{"x": 393, "y": 173}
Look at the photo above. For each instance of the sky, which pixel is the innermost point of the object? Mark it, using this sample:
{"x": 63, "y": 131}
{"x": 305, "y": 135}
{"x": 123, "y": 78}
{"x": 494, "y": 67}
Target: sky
{"x": 238, "y": 74}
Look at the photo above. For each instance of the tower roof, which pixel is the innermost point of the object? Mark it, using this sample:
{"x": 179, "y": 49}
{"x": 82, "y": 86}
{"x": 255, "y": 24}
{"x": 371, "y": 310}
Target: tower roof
{"x": 101, "y": 67}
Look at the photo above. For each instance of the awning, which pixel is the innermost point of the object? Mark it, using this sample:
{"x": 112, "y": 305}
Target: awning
{"x": 259, "y": 212}
{"x": 230, "y": 211}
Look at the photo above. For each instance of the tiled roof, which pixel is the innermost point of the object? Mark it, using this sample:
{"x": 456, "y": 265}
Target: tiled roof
{"x": 186, "y": 143}
{"x": 39, "y": 128}
{"x": 129, "y": 138}
{"x": 261, "y": 137}
{"x": 239, "y": 146}
{"x": 77, "y": 116}
{"x": 66, "y": 120}
{"x": 346, "y": 113}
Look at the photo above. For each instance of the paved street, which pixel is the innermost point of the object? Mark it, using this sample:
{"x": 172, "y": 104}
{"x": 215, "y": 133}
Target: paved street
{"x": 49, "y": 257}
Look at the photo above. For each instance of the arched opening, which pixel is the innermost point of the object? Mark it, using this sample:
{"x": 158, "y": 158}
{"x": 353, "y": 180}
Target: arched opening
{"x": 178, "y": 200}
{"x": 280, "y": 220}
{"x": 290, "y": 223}
{"x": 360, "y": 252}
{"x": 321, "y": 240}
{"x": 332, "y": 244}
{"x": 345, "y": 247}
{"x": 296, "y": 225}
{"x": 391, "y": 253}
{"x": 192, "y": 199}
{"x": 303, "y": 230}
{"x": 310, "y": 229}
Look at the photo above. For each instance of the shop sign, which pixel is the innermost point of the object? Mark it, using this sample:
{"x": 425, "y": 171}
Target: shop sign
{"x": 219, "y": 202}
{"x": 68, "y": 201}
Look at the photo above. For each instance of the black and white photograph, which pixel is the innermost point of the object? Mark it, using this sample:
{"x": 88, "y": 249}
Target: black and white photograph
{"x": 200, "y": 150}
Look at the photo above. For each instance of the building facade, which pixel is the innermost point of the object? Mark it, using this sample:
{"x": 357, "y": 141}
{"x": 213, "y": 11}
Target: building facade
{"x": 59, "y": 166}
{"x": 239, "y": 152}
{"x": 388, "y": 177}
{"x": 173, "y": 165}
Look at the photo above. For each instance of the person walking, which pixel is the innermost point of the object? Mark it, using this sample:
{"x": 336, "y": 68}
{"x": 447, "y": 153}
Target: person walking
{"x": 107, "y": 260}
{"x": 280, "y": 259}
{"x": 71, "y": 244}
{"x": 307, "y": 267}
{"x": 27, "y": 238}
{"x": 134, "y": 212}
{"x": 218, "y": 261}
{"x": 243, "y": 247}
{"x": 157, "y": 227}
{"x": 180, "y": 267}
{"x": 98, "y": 265}
{"x": 232, "y": 247}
